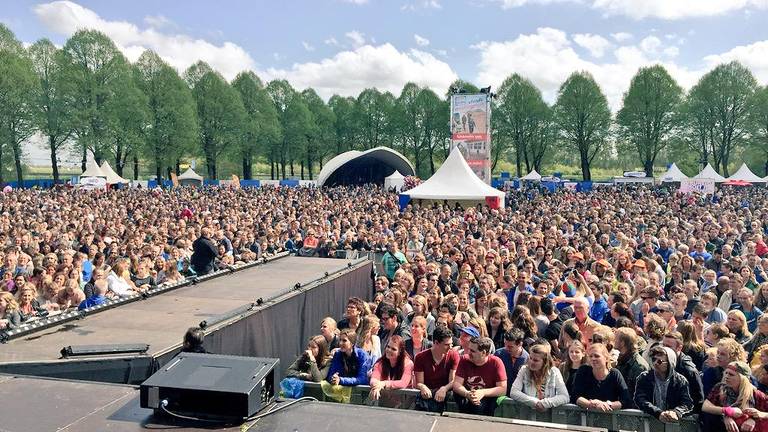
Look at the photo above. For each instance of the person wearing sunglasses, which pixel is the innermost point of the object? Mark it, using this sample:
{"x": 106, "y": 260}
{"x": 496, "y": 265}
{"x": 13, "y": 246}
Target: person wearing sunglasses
{"x": 662, "y": 392}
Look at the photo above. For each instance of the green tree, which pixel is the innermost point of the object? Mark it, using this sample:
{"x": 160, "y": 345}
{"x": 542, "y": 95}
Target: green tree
{"x": 374, "y": 111}
{"x": 650, "y": 114}
{"x": 409, "y": 124}
{"x": 93, "y": 65}
{"x": 319, "y": 142}
{"x": 523, "y": 119}
{"x": 759, "y": 121}
{"x": 8, "y": 41}
{"x": 17, "y": 99}
{"x": 346, "y": 126}
{"x": 262, "y": 127}
{"x": 299, "y": 128}
{"x": 718, "y": 110}
{"x": 281, "y": 153}
{"x": 583, "y": 118}
{"x": 435, "y": 119}
{"x": 54, "y": 108}
{"x": 172, "y": 128}
{"x": 193, "y": 73}
{"x": 221, "y": 114}
{"x": 128, "y": 118}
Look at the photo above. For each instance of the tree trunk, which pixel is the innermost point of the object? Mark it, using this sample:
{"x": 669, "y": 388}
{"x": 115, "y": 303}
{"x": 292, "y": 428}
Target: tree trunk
{"x": 271, "y": 169}
{"x": 648, "y": 167}
{"x": 119, "y": 158}
{"x": 54, "y": 159}
{"x": 168, "y": 171}
{"x": 585, "y": 171}
{"x": 17, "y": 162}
{"x": 302, "y": 169}
{"x": 518, "y": 161}
{"x": 135, "y": 166}
{"x": 159, "y": 171}
{"x": 85, "y": 158}
{"x": 245, "y": 168}
{"x": 292, "y": 172}
{"x": 309, "y": 167}
{"x": 765, "y": 167}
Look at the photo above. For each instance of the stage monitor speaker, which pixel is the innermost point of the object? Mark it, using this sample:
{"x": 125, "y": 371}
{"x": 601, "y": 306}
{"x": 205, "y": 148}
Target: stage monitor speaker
{"x": 212, "y": 386}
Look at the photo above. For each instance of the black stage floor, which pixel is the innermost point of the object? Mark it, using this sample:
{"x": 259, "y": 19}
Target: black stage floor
{"x": 161, "y": 321}
{"x": 44, "y": 405}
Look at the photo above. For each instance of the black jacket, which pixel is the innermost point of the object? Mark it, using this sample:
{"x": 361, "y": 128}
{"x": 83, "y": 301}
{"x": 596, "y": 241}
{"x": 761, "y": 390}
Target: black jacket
{"x": 687, "y": 369}
{"x": 204, "y": 252}
{"x": 678, "y": 399}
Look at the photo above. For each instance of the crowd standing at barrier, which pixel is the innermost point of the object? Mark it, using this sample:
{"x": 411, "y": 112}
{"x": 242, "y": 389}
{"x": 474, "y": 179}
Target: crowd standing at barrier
{"x": 558, "y": 297}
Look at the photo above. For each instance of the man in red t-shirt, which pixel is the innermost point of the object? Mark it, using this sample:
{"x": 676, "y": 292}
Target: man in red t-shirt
{"x": 480, "y": 379}
{"x": 435, "y": 369}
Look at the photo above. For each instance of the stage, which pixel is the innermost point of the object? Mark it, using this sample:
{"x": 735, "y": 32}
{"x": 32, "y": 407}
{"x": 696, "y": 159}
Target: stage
{"x": 44, "y": 405}
{"x": 160, "y": 321}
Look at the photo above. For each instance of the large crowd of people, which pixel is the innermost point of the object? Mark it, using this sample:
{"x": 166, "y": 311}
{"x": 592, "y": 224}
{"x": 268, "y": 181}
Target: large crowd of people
{"x": 616, "y": 298}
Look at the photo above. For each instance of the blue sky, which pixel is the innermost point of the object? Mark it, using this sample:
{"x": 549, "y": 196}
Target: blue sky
{"x": 344, "y": 46}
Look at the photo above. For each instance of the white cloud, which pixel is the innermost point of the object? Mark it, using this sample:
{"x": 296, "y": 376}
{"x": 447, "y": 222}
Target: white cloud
{"x": 65, "y": 17}
{"x": 356, "y": 2}
{"x": 384, "y": 67}
{"x": 595, "y": 44}
{"x": 547, "y": 58}
{"x": 421, "y": 41}
{"x": 650, "y": 44}
{"x": 422, "y": 4}
{"x": 753, "y": 56}
{"x": 158, "y": 21}
{"x": 672, "y": 51}
{"x": 331, "y": 41}
{"x": 663, "y": 9}
{"x": 356, "y": 37}
{"x": 621, "y": 36}
{"x": 307, "y": 46}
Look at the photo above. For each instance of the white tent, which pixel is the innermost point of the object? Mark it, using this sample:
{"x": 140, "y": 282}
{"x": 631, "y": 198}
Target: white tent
{"x": 92, "y": 170}
{"x": 744, "y": 173}
{"x": 532, "y": 176}
{"x": 709, "y": 173}
{"x": 455, "y": 181}
{"x": 396, "y": 180}
{"x": 190, "y": 178}
{"x": 112, "y": 176}
{"x": 673, "y": 174}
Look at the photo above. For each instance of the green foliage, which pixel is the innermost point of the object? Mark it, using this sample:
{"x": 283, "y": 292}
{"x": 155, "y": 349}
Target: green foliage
{"x": 17, "y": 98}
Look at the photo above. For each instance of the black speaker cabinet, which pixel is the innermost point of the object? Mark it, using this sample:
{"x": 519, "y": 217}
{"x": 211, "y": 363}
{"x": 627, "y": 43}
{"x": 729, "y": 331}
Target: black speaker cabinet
{"x": 212, "y": 386}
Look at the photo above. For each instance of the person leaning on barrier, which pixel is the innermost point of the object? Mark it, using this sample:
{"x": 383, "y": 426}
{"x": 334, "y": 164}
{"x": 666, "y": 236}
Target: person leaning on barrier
{"x": 597, "y": 386}
{"x": 631, "y": 364}
{"x": 312, "y": 364}
{"x": 686, "y": 368}
{"x": 735, "y": 404}
{"x": 480, "y": 379}
{"x": 394, "y": 370}
{"x": 434, "y": 371}
{"x": 350, "y": 365}
{"x": 539, "y": 384}
{"x": 662, "y": 392}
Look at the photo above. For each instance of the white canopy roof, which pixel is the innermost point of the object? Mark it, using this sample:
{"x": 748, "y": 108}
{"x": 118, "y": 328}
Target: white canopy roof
{"x": 378, "y": 155}
{"x": 395, "y": 176}
{"x": 92, "y": 170}
{"x": 112, "y": 176}
{"x": 454, "y": 181}
{"x": 673, "y": 174}
{"x": 190, "y": 174}
{"x": 709, "y": 173}
{"x": 395, "y": 180}
{"x": 744, "y": 173}
{"x": 533, "y": 175}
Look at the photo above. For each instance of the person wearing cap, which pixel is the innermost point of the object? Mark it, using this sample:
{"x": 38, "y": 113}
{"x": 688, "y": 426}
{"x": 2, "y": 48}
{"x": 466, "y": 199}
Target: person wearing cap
{"x": 512, "y": 354}
{"x": 734, "y": 404}
{"x": 480, "y": 379}
{"x": 466, "y": 333}
{"x": 662, "y": 392}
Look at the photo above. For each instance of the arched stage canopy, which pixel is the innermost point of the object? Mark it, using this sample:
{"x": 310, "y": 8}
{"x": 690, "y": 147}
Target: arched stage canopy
{"x": 371, "y": 166}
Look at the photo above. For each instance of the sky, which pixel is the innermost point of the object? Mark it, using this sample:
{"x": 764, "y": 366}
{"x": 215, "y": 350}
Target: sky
{"x": 344, "y": 46}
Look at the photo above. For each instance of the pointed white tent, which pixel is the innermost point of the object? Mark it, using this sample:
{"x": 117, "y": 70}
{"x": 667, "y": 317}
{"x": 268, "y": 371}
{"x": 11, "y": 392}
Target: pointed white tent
{"x": 709, "y": 173}
{"x": 395, "y": 180}
{"x": 532, "y": 176}
{"x": 112, "y": 176}
{"x": 455, "y": 181}
{"x": 745, "y": 174}
{"x": 92, "y": 170}
{"x": 673, "y": 174}
{"x": 190, "y": 178}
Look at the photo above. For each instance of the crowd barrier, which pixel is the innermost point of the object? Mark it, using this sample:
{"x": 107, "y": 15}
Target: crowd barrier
{"x": 568, "y": 414}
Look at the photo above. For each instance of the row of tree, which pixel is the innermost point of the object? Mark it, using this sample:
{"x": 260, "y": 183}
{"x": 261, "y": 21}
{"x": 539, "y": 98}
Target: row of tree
{"x": 88, "y": 97}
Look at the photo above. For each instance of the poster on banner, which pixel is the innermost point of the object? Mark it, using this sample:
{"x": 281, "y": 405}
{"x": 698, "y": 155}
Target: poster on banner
{"x": 701, "y": 186}
{"x": 92, "y": 183}
{"x": 470, "y": 131}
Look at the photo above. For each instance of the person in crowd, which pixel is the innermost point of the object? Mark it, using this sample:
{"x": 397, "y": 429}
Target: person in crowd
{"x": 734, "y": 404}
{"x": 421, "y": 308}
{"x": 585, "y": 324}
{"x": 480, "y": 379}
{"x": 630, "y": 363}
{"x": 539, "y": 384}
{"x": 356, "y": 310}
{"x": 193, "y": 341}
{"x": 350, "y": 365}
{"x": 391, "y": 325}
{"x": 204, "y": 253}
{"x": 313, "y": 364}
{"x": 10, "y": 318}
{"x": 98, "y": 296}
{"x": 119, "y": 280}
{"x": 418, "y": 341}
{"x": 576, "y": 356}
{"x": 714, "y": 313}
{"x": 760, "y": 370}
{"x": 737, "y": 326}
{"x": 29, "y": 307}
{"x": 686, "y": 367}
{"x": 71, "y": 296}
{"x": 662, "y": 392}
{"x": 728, "y": 351}
{"x": 434, "y": 371}
{"x": 392, "y": 371}
{"x": 512, "y": 354}
{"x": 330, "y": 332}
{"x": 368, "y": 338}
{"x": 498, "y": 324}
{"x": 597, "y": 386}
{"x": 693, "y": 345}
{"x": 745, "y": 299}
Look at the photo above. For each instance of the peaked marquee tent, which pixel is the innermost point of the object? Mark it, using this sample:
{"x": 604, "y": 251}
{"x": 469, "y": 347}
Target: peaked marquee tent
{"x": 112, "y": 176}
{"x": 92, "y": 170}
{"x": 709, "y": 173}
{"x": 455, "y": 182}
{"x": 532, "y": 176}
{"x": 745, "y": 174}
{"x": 395, "y": 180}
{"x": 673, "y": 174}
{"x": 190, "y": 178}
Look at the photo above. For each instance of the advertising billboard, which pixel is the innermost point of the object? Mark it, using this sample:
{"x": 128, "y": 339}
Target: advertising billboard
{"x": 471, "y": 131}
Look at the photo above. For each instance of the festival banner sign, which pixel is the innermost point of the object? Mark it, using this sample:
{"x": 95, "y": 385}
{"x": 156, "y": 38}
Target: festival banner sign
{"x": 471, "y": 131}
{"x": 701, "y": 186}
